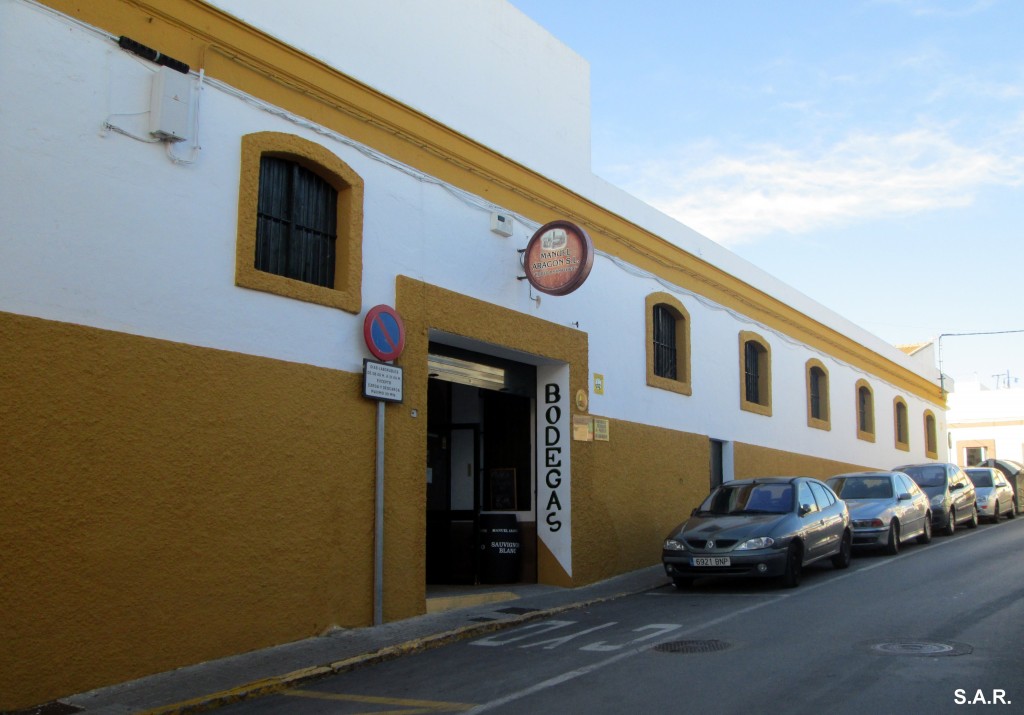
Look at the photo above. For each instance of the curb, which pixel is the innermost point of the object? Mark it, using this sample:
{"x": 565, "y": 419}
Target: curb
{"x": 270, "y": 686}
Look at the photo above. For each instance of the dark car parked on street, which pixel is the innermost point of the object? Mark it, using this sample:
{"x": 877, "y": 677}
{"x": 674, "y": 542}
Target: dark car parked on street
{"x": 763, "y": 527}
{"x": 951, "y": 492}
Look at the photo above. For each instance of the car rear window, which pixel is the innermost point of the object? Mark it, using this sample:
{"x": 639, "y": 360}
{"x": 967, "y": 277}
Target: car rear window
{"x": 927, "y": 475}
{"x": 980, "y": 477}
{"x": 863, "y": 488}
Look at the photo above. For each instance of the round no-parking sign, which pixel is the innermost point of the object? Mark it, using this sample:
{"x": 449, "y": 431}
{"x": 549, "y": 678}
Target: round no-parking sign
{"x": 384, "y": 333}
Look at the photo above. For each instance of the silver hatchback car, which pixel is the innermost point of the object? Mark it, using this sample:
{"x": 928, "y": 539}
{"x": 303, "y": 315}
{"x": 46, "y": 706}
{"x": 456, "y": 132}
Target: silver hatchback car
{"x": 951, "y": 493}
{"x": 993, "y": 493}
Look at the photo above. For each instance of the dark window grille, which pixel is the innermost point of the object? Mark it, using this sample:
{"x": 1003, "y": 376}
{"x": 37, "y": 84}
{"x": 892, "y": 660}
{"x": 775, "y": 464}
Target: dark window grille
{"x": 665, "y": 357}
{"x": 817, "y": 396}
{"x": 296, "y": 226}
{"x": 864, "y": 409}
{"x": 752, "y": 370}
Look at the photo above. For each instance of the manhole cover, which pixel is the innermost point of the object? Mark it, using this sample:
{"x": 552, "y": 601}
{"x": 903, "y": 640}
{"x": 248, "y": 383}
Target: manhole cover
{"x": 928, "y": 648}
{"x": 706, "y": 646}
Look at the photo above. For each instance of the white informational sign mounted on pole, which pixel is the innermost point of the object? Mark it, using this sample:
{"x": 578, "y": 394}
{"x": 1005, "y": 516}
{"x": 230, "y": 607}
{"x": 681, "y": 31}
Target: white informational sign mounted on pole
{"x": 382, "y": 381}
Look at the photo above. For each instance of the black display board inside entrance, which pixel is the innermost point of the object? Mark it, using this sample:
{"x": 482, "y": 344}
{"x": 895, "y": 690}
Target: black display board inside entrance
{"x": 503, "y": 489}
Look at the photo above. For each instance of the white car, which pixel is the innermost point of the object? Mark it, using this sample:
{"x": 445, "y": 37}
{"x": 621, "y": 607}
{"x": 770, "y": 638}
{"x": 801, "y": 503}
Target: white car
{"x": 994, "y": 493}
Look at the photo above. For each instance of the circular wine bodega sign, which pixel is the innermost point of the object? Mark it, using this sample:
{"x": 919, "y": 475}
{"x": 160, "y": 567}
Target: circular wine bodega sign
{"x": 558, "y": 258}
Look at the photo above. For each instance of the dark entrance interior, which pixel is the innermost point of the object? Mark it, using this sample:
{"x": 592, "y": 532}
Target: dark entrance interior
{"x": 479, "y": 465}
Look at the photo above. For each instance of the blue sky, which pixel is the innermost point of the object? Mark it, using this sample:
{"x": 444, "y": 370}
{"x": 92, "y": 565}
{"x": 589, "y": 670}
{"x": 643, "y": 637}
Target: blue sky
{"x": 870, "y": 153}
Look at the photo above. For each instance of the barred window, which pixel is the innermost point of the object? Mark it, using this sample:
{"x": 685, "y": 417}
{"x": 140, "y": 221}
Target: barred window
{"x": 865, "y": 412}
{"x": 668, "y": 343}
{"x": 901, "y": 424}
{"x": 931, "y": 441}
{"x": 755, "y": 374}
{"x": 752, "y": 370}
{"x": 296, "y": 223}
{"x": 664, "y": 342}
{"x": 818, "y": 410}
{"x": 817, "y": 406}
{"x": 300, "y": 222}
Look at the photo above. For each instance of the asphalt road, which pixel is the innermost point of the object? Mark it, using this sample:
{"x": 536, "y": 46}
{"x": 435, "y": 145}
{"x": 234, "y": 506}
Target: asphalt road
{"x": 936, "y": 629}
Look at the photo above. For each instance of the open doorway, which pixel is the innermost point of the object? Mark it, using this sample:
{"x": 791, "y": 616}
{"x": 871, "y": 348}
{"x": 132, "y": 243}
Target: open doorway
{"x": 481, "y": 523}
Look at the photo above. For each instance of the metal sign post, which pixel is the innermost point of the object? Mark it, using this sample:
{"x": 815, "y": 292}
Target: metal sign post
{"x": 384, "y": 333}
{"x": 378, "y": 520}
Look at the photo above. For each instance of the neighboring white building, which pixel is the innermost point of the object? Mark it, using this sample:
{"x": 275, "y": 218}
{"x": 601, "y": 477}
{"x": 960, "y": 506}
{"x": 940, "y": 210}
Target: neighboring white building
{"x": 189, "y": 459}
{"x": 985, "y": 424}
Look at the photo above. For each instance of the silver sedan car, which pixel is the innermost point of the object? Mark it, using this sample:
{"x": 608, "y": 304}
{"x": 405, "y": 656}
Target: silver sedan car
{"x": 886, "y": 509}
{"x": 993, "y": 492}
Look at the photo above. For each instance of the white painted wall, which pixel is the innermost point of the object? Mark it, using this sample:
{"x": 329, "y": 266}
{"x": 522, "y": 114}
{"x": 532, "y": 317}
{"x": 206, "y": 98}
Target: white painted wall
{"x": 481, "y": 67}
{"x": 102, "y": 229}
{"x": 978, "y": 413}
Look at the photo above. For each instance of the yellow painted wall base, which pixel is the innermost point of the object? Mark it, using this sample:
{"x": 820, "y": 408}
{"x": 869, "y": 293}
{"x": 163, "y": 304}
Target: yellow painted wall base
{"x": 753, "y": 461}
{"x": 165, "y": 504}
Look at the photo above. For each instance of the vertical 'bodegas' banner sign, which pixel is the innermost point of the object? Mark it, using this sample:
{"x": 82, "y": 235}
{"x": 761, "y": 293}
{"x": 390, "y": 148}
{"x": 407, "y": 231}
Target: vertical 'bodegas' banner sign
{"x": 558, "y": 258}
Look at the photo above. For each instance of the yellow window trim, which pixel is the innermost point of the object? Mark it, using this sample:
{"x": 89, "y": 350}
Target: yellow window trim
{"x": 866, "y": 435}
{"x": 903, "y": 445}
{"x": 682, "y": 383}
{"x": 764, "y": 375}
{"x": 931, "y": 436}
{"x": 826, "y": 400}
{"x": 348, "y": 268}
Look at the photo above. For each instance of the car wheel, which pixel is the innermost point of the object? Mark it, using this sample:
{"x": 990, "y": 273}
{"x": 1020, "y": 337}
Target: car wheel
{"x": 996, "y": 514}
{"x": 893, "y": 545}
{"x": 973, "y": 523}
{"x": 1012, "y": 514}
{"x": 794, "y": 566}
{"x": 842, "y": 559}
{"x": 681, "y": 582}
{"x": 951, "y": 526}
{"x": 926, "y": 535}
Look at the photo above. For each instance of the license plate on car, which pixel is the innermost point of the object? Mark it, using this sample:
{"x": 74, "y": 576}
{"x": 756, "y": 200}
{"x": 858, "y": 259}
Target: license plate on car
{"x": 709, "y": 561}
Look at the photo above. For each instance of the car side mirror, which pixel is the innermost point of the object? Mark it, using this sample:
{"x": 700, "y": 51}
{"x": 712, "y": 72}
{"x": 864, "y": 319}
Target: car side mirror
{"x": 805, "y": 509}
{"x": 904, "y": 497}
{"x": 956, "y": 487}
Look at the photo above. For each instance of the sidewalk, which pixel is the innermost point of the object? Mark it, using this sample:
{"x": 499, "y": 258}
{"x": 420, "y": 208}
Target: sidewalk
{"x": 453, "y": 614}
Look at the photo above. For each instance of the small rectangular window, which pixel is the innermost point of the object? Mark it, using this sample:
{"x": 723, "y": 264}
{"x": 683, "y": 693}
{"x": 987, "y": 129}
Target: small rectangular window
{"x": 974, "y": 456}
{"x": 296, "y": 223}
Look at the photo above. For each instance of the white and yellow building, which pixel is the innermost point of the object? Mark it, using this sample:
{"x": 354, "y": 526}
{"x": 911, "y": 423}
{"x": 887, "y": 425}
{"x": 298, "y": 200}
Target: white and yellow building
{"x": 188, "y": 460}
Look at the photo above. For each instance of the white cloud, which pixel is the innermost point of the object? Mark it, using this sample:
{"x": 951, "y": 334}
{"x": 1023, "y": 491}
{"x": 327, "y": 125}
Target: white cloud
{"x": 737, "y": 198}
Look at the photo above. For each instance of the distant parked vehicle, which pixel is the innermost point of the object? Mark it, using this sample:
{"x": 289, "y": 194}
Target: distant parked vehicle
{"x": 886, "y": 508}
{"x": 1013, "y": 471}
{"x": 951, "y": 493}
{"x": 766, "y": 527}
{"x": 1008, "y": 467}
{"x": 993, "y": 493}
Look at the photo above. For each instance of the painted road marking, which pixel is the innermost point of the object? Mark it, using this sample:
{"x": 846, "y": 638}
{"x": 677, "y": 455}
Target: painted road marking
{"x": 537, "y": 629}
{"x": 408, "y": 707}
